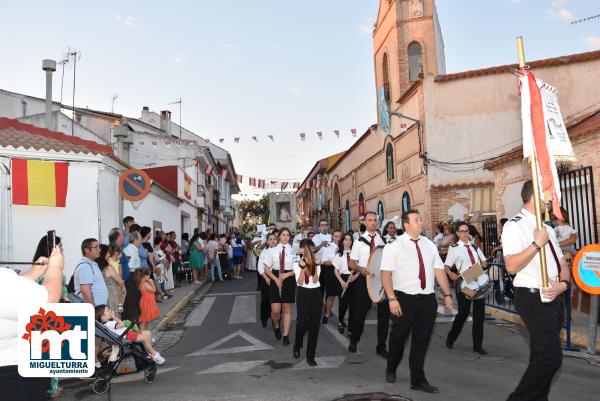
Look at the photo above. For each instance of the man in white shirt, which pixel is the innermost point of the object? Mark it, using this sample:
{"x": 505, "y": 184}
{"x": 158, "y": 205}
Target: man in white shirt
{"x": 132, "y": 252}
{"x": 322, "y": 239}
{"x": 409, "y": 267}
{"x": 463, "y": 255}
{"x": 521, "y": 245}
{"x": 330, "y": 287}
{"x": 300, "y": 235}
{"x": 360, "y": 302}
{"x": 264, "y": 281}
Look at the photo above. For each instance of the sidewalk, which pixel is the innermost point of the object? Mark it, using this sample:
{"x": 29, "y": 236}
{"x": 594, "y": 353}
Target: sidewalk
{"x": 171, "y": 307}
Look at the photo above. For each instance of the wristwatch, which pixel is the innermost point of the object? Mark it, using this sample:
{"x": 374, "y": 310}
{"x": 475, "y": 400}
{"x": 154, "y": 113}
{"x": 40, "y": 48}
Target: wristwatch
{"x": 392, "y": 298}
{"x": 536, "y": 246}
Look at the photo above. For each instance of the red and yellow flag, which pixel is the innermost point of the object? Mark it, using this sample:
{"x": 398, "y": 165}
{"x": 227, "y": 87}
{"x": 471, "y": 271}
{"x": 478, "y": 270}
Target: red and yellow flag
{"x": 39, "y": 183}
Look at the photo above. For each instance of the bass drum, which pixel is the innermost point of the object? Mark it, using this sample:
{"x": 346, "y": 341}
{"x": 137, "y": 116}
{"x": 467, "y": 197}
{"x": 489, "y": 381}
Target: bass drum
{"x": 374, "y": 286}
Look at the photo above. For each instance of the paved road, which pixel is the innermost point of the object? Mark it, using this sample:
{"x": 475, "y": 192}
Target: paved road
{"x": 219, "y": 351}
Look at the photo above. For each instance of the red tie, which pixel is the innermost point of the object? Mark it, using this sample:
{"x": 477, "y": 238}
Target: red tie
{"x": 470, "y": 254}
{"x": 372, "y": 242}
{"x": 306, "y": 276}
{"x": 282, "y": 262}
{"x": 348, "y": 259}
{"x": 421, "y": 264}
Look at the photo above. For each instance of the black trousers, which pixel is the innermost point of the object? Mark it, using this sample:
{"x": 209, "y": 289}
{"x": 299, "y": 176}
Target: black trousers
{"x": 417, "y": 319}
{"x": 464, "y": 308}
{"x": 265, "y": 304}
{"x": 360, "y": 303}
{"x": 383, "y": 323}
{"x": 309, "y": 303}
{"x": 343, "y": 301}
{"x": 545, "y": 354}
{"x": 17, "y": 388}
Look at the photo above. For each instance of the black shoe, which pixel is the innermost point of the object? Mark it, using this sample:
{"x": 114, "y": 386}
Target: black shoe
{"x": 325, "y": 319}
{"x": 479, "y": 349}
{"x": 311, "y": 362}
{"x": 425, "y": 387}
{"x": 382, "y": 352}
{"x": 263, "y": 323}
{"x": 390, "y": 377}
{"x": 277, "y": 332}
{"x": 352, "y": 347}
{"x": 296, "y": 351}
{"x": 341, "y": 328}
{"x": 286, "y": 340}
{"x": 449, "y": 343}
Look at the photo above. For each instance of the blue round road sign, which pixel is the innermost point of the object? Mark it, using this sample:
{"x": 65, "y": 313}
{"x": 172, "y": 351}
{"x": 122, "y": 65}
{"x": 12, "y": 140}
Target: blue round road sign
{"x": 134, "y": 184}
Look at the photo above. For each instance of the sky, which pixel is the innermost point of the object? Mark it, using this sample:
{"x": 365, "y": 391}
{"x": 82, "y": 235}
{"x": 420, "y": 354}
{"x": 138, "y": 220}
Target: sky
{"x": 260, "y": 67}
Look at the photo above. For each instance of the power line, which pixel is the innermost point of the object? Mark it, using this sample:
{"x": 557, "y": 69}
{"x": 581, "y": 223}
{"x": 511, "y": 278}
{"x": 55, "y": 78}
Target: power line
{"x": 579, "y": 21}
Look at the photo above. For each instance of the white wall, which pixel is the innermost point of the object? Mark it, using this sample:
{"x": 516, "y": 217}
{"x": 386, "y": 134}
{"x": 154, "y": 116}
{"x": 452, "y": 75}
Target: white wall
{"x": 73, "y": 223}
{"x": 155, "y": 208}
{"x": 108, "y": 180}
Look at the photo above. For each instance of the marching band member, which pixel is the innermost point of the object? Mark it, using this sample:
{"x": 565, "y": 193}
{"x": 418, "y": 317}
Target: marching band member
{"x": 360, "y": 302}
{"x": 264, "y": 280}
{"x": 389, "y": 232}
{"x": 279, "y": 266}
{"x": 521, "y": 242}
{"x": 409, "y": 266}
{"x": 329, "y": 285}
{"x": 309, "y": 302}
{"x": 300, "y": 235}
{"x": 463, "y": 255}
{"x": 342, "y": 273}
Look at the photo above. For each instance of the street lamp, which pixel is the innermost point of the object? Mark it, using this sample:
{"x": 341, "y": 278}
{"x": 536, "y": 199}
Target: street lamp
{"x": 398, "y": 114}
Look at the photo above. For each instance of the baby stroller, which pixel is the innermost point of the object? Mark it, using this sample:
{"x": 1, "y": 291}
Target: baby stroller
{"x": 122, "y": 352}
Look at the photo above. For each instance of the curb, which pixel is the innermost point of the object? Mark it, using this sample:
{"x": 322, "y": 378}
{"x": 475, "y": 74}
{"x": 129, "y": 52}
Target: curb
{"x": 170, "y": 315}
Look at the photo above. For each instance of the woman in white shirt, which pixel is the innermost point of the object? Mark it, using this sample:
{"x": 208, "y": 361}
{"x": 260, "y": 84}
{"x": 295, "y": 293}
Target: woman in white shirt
{"x": 24, "y": 292}
{"x": 279, "y": 266}
{"x": 310, "y": 301}
{"x": 342, "y": 273}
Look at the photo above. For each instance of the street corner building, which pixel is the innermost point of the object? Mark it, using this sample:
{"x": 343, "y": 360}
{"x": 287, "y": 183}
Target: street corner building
{"x": 447, "y": 144}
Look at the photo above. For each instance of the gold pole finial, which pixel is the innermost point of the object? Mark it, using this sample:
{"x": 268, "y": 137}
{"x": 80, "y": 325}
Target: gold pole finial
{"x": 521, "y": 51}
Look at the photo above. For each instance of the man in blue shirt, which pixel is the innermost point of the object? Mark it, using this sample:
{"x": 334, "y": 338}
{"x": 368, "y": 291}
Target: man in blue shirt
{"x": 116, "y": 238}
{"x": 89, "y": 281}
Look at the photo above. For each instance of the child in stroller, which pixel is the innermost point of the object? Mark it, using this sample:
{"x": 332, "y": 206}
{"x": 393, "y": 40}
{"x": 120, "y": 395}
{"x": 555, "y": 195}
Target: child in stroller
{"x": 125, "y": 343}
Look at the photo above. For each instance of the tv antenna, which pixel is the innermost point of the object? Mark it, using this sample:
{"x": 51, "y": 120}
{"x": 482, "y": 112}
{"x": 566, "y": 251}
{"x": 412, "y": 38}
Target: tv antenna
{"x": 179, "y": 101}
{"x": 114, "y": 99}
{"x": 62, "y": 63}
{"x": 76, "y": 55}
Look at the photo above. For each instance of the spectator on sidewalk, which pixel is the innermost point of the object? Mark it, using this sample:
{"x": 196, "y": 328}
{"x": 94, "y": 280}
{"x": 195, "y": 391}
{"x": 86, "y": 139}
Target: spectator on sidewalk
{"x": 128, "y": 221}
{"x": 114, "y": 255}
{"x": 42, "y": 251}
{"x": 88, "y": 279}
{"x": 24, "y": 291}
{"x": 168, "y": 250}
{"x": 213, "y": 258}
{"x": 197, "y": 257}
{"x": 237, "y": 246}
{"x": 448, "y": 240}
{"x": 114, "y": 282}
{"x": 185, "y": 247}
{"x": 117, "y": 239}
{"x": 439, "y": 235}
{"x": 160, "y": 263}
{"x": 148, "y": 309}
{"x": 565, "y": 234}
{"x": 132, "y": 250}
{"x": 176, "y": 265}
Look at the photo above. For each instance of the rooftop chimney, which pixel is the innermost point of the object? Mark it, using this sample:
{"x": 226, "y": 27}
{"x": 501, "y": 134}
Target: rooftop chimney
{"x": 49, "y": 66}
{"x": 145, "y": 114}
{"x": 165, "y": 121}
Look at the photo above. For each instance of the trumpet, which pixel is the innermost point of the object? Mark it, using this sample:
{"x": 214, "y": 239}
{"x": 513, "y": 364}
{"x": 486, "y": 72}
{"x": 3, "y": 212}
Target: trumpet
{"x": 256, "y": 249}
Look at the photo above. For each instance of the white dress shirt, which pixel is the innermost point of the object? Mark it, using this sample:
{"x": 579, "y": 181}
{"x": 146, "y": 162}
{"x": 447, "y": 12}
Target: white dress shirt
{"x": 388, "y": 238}
{"x": 328, "y": 253}
{"x": 298, "y": 270}
{"x": 341, "y": 263}
{"x": 318, "y": 239}
{"x": 273, "y": 257}
{"x": 361, "y": 251}
{"x": 401, "y": 258}
{"x": 459, "y": 255}
{"x": 517, "y": 234}
{"x": 261, "y": 261}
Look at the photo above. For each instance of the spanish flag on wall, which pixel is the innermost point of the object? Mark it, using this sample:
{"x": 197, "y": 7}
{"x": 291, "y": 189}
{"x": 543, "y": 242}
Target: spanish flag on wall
{"x": 39, "y": 183}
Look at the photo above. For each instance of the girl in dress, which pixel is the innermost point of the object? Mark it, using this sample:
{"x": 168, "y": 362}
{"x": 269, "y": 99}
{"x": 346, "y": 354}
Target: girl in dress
{"x": 310, "y": 301}
{"x": 342, "y": 273}
{"x": 279, "y": 267}
{"x": 114, "y": 275}
{"x": 197, "y": 257}
{"x": 148, "y": 309}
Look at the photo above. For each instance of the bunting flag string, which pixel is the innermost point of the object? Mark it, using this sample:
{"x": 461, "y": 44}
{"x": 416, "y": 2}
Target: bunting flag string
{"x": 320, "y": 135}
{"x": 271, "y": 137}
{"x": 337, "y": 133}
{"x": 302, "y": 136}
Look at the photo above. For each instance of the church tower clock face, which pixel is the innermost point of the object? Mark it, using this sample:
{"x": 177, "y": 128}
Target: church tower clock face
{"x": 416, "y": 8}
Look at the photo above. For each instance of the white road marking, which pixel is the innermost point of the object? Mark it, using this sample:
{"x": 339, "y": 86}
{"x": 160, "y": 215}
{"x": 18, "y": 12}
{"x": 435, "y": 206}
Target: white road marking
{"x": 244, "y": 310}
{"x": 326, "y": 362}
{"x": 200, "y": 312}
{"x": 342, "y": 339}
{"x": 213, "y": 349}
{"x": 132, "y": 377}
{"x": 231, "y": 367}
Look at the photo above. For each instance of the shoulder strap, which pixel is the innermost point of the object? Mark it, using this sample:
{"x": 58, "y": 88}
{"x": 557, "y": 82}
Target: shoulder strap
{"x": 75, "y": 271}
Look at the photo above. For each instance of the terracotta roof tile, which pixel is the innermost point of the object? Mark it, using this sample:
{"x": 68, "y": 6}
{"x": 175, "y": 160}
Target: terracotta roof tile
{"x": 20, "y": 135}
{"x": 572, "y": 58}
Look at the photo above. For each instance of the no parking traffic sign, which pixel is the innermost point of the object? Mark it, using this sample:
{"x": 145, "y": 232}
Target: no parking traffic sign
{"x": 134, "y": 184}
{"x": 586, "y": 269}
